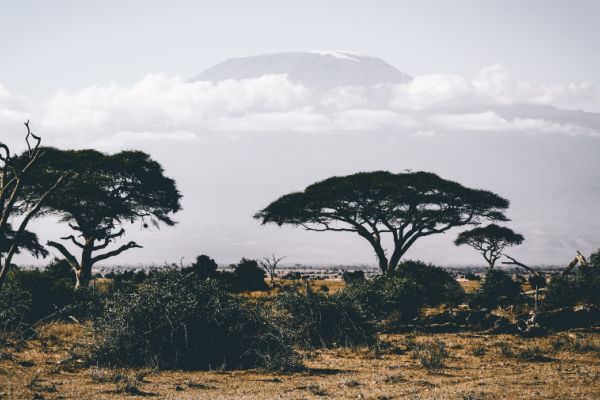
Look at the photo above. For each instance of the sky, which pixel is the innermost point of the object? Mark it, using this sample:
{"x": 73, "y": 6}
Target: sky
{"x": 484, "y": 110}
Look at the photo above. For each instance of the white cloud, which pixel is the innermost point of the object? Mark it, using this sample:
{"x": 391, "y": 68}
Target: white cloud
{"x": 344, "y": 98}
{"x": 14, "y": 111}
{"x": 423, "y": 134}
{"x": 158, "y": 105}
{"x": 491, "y": 86}
{"x": 490, "y": 121}
{"x": 371, "y": 120}
{"x": 303, "y": 120}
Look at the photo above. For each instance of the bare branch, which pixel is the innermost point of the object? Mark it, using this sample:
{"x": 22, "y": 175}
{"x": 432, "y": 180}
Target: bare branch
{"x": 515, "y": 262}
{"x": 578, "y": 258}
{"x": 116, "y": 252}
{"x": 35, "y": 137}
{"x": 74, "y": 241}
{"x": 65, "y": 253}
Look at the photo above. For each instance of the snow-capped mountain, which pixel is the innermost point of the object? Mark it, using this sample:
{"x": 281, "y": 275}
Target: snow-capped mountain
{"x": 321, "y": 70}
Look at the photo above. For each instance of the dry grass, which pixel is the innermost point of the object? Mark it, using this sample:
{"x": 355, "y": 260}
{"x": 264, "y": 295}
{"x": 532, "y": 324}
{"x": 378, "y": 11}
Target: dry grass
{"x": 473, "y": 367}
{"x": 469, "y": 286}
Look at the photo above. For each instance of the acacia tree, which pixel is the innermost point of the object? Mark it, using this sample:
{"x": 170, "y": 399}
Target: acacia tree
{"x": 15, "y": 173}
{"x": 490, "y": 240}
{"x": 105, "y": 192}
{"x": 407, "y": 205}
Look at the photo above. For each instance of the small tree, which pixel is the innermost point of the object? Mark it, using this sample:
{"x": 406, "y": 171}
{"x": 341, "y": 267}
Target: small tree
{"x": 269, "y": 264}
{"x": 408, "y": 206}
{"x": 205, "y": 267}
{"x": 15, "y": 172}
{"x": 249, "y": 276}
{"x": 490, "y": 240}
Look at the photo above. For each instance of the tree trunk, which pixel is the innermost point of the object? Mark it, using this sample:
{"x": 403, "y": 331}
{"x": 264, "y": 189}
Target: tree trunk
{"x": 84, "y": 274}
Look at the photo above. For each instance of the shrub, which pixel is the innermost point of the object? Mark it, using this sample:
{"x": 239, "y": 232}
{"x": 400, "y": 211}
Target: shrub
{"x": 292, "y": 276}
{"x": 317, "y": 320}
{"x": 438, "y": 284}
{"x": 246, "y": 276}
{"x": 205, "y": 267}
{"x": 60, "y": 269}
{"x": 583, "y": 286}
{"x": 430, "y": 354}
{"x": 472, "y": 277}
{"x": 348, "y": 277}
{"x": 176, "y": 320}
{"x": 379, "y": 297}
{"x": 30, "y": 295}
{"x": 536, "y": 280}
{"x": 496, "y": 284}
{"x": 140, "y": 276}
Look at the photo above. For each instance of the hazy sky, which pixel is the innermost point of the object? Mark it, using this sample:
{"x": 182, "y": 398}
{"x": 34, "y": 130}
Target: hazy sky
{"x": 111, "y": 75}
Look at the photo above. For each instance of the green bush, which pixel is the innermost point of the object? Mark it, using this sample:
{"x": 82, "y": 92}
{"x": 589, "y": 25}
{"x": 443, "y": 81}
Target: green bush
{"x": 176, "y": 320}
{"x": 472, "y": 277}
{"x": 536, "y": 280}
{"x": 438, "y": 284}
{"x": 33, "y": 295}
{"x": 348, "y": 277}
{"x": 60, "y": 269}
{"x": 582, "y": 287}
{"x": 205, "y": 267}
{"x": 316, "y": 320}
{"x": 379, "y": 297}
{"x": 496, "y": 284}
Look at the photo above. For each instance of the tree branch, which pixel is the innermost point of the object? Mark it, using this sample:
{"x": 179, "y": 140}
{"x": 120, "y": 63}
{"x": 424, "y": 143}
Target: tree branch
{"x": 116, "y": 252}
{"x": 65, "y": 253}
{"x": 29, "y": 215}
{"x": 578, "y": 258}
{"x": 515, "y": 262}
{"x": 74, "y": 241}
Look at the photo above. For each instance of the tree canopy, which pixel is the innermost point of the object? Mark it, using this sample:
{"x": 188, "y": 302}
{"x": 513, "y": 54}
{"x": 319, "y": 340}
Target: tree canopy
{"x": 490, "y": 240}
{"x": 407, "y": 205}
{"x": 105, "y": 191}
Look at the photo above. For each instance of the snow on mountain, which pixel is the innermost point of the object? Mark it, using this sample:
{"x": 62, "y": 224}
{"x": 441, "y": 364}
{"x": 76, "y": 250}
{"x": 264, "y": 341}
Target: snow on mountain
{"x": 320, "y": 70}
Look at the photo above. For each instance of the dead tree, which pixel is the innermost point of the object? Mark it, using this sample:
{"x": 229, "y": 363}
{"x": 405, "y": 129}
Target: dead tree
{"x": 13, "y": 176}
{"x": 515, "y": 262}
{"x": 269, "y": 264}
{"x": 579, "y": 258}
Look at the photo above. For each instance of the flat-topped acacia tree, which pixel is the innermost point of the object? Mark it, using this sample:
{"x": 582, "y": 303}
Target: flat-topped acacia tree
{"x": 407, "y": 206}
{"x": 490, "y": 240}
{"x": 104, "y": 192}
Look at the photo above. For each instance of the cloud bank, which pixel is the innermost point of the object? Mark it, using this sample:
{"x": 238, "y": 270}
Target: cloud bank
{"x": 163, "y": 108}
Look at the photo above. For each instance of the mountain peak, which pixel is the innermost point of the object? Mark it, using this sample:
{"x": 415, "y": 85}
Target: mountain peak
{"x": 320, "y": 70}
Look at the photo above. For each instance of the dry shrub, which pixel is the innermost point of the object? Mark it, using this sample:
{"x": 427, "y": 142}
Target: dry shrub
{"x": 505, "y": 349}
{"x": 430, "y": 354}
{"x": 176, "y": 320}
{"x": 573, "y": 342}
{"x": 478, "y": 349}
{"x": 349, "y": 380}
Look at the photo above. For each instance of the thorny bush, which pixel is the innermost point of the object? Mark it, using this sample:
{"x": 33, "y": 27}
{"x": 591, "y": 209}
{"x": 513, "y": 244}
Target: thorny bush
{"x": 176, "y": 320}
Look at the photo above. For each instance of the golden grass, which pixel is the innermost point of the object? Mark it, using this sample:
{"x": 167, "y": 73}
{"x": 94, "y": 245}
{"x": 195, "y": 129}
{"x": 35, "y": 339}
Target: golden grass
{"x": 561, "y": 366}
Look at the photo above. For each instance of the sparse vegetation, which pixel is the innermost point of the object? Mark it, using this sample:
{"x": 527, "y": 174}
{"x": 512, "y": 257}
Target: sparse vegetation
{"x": 198, "y": 328}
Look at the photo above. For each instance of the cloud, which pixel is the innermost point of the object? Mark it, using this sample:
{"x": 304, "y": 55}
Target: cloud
{"x": 371, "y": 120}
{"x": 158, "y": 106}
{"x": 491, "y": 86}
{"x": 490, "y": 121}
{"x": 14, "y": 111}
{"x": 423, "y": 134}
